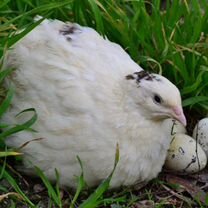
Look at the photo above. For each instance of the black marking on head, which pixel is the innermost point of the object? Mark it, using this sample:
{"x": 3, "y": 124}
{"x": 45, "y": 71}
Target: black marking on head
{"x": 142, "y": 75}
{"x": 130, "y": 76}
{"x": 67, "y": 30}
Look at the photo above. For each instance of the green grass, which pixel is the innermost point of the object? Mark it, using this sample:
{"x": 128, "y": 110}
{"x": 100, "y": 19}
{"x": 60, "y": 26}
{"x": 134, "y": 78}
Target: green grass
{"x": 171, "y": 39}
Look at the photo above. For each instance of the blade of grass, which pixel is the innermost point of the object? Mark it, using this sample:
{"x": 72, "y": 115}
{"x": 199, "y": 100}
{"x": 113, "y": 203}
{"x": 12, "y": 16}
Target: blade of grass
{"x": 45, "y": 7}
{"x": 80, "y": 186}
{"x": 53, "y": 194}
{"x": 17, "y": 37}
{"x": 194, "y": 100}
{"x": 20, "y": 127}
{"x": 93, "y": 199}
{"x": 6, "y": 102}
{"x": 97, "y": 15}
{"x": 13, "y": 183}
{"x": 9, "y": 153}
{"x": 4, "y": 74}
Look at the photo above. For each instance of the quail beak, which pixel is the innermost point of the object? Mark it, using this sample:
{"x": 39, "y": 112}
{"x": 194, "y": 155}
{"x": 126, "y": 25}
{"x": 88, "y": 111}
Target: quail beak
{"x": 179, "y": 115}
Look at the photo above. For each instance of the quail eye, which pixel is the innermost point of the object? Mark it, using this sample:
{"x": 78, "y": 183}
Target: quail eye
{"x": 157, "y": 99}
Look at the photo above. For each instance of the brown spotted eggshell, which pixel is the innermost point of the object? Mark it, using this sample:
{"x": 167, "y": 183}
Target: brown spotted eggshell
{"x": 175, "y": 126}
{"x": 185, "y": 155}
{"x": 200, "y": 133}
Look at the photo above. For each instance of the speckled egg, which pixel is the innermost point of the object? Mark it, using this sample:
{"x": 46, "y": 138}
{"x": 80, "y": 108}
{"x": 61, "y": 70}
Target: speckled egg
{"x": 200, "y": 133}
{"x": 185, "y": 155}
{"x": 174, "y": 126}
